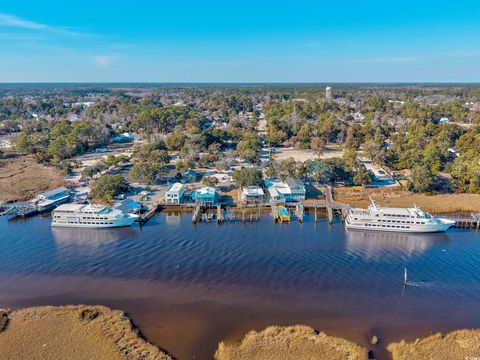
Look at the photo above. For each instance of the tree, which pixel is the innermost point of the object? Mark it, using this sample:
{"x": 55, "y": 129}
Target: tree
{"x": 106, "y": 187}
{"x": 317, "y": 144}
{"x": 161, "y": 119}
{"x": 331, "y": 170}
{"x": 147, "y": 172}
{"x": 249, "y": 148}
{"x": 176, "y": 140}
{"x": 375, "y": 151}
{"x": 210, "y": 181}
{"x": 247, "y": 176}
{"x": 362, "y": 176}
{"x": 422, "y": 179}
{"x": 89, "y": 172}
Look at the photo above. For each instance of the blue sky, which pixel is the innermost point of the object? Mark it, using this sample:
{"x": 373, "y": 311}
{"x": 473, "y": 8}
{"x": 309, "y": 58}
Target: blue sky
{"x": 240, "y": 41}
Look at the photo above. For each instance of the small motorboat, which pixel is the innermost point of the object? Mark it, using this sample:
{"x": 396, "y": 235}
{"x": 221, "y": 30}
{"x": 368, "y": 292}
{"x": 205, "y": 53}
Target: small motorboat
{"x": 283, "y": 214}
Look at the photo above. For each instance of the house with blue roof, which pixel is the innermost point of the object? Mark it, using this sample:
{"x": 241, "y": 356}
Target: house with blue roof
{"x": 206, "y": 196}
{"x": 129, "y": 206}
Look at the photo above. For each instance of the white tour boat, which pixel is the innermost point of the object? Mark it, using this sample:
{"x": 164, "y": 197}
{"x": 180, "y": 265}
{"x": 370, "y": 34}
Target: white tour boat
{"x": 90, "y": 216}
{"x": 412, "y": 220}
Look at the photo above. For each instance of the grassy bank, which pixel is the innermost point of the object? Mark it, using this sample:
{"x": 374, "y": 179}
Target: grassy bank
{"x": 396, "y": 197}
{"x": 73, "y": 332}
{"x": 293, "y": 342}
{"x": 21, "y": 178}
{"x": 461, "y": 344}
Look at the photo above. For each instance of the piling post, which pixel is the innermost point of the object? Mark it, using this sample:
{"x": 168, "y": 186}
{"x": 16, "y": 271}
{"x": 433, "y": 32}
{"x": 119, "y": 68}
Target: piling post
{"x": 330, "y": 214}
{"x": 315, "y": 212}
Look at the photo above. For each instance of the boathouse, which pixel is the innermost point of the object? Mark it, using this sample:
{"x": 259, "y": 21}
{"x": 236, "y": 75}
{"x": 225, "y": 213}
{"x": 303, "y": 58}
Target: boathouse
{"x": 51, "y": 199}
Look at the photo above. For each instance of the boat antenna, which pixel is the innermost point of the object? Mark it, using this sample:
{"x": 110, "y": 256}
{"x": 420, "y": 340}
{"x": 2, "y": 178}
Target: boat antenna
{"x": 373, "y": 202}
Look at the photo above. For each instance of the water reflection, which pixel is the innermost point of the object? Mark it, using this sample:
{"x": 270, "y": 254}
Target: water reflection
{"x": 172, "y": 218}
{"x": 375, "y": 245}
{"x": 89, "y": 241}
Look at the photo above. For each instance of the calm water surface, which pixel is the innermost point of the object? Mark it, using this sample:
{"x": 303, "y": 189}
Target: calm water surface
{"x": 188, "y": 287}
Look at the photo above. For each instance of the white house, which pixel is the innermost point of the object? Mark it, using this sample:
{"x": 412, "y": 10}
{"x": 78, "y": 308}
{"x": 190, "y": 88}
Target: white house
{"x": 444, "y": 120}
{"x": 290, "y": 190}
{"x": 174, "y": 193}
{"x": 252, "y": 194}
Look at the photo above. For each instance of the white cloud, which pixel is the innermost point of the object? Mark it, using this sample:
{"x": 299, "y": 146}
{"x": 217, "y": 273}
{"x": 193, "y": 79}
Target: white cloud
{"x": 10, "y": 20}
{"x": 103, "y": 60}
{"x": 16, "y": 22}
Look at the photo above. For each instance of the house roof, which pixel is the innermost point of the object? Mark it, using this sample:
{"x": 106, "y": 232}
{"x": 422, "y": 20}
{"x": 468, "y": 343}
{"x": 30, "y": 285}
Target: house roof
{"x": 128, "y": 204}
{"x": 175, "y": 187}
{"x": 205, "y": 192}
{"x": 190, "y": 172}
{"x": 54, "y": 192}
{"x": 252, "y": 191}
{"x": 294, "y": 182}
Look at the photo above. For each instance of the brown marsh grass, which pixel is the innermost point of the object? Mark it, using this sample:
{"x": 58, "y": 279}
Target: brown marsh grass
{"x": 460, "y": 344}
{"x": 290, "y": 343}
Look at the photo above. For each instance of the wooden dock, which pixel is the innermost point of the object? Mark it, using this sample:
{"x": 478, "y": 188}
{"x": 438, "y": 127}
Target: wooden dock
{"x": 197, "y": 214}
{"x": 274, "y": 209}
{"x": 472, "y": 222}
{"x": 299, "y": 212}
{"x": 147, "y": 216}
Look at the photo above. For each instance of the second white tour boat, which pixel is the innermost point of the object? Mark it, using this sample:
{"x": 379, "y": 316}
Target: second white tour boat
{"x": 412, "y": 220}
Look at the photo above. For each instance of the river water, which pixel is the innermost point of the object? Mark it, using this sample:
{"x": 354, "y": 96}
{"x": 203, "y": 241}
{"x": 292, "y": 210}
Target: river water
{"x": 188, "y": 287}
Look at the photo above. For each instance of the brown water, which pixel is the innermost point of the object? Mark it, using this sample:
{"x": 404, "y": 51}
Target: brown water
{"x": 188, "y": 287}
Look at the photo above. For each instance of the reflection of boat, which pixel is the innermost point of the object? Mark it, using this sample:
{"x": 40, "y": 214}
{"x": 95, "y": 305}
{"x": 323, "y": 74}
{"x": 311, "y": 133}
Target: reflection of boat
{"x": 90, "y": 216}
{"x": 89, "y": 240}
{"x": 283, "y": 214}
{"x": 371, "y": 244}
{"x": 406, "y": 220}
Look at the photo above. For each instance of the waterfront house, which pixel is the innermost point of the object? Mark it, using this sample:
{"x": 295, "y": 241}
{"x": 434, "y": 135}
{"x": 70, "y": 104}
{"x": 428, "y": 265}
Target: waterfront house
{"x": 190, "y": 176}
{"x": 51, "y": 199}
{"x": 174, "y": 193}
{"x": 206, "y": 196}
{"x": 252, "y": 194}
{"x": 290, "y": 190}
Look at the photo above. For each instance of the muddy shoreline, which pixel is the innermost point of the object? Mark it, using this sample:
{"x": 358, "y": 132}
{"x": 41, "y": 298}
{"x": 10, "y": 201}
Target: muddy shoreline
{"x": 82, "y": 332}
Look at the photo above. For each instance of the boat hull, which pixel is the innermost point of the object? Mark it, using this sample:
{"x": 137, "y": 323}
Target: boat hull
{"x": 427, "y": 228}
{"x": 117, "y": 223}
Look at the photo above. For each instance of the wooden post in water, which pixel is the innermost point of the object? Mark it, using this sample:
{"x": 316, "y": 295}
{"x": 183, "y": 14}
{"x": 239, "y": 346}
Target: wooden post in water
{"x": 330, "y": 214}
{"x": 405, "y": 279}
{"x": 315, "y": 213}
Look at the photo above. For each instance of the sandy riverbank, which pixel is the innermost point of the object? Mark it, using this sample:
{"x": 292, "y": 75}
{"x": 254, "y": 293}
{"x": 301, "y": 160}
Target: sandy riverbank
{"x": 73, "y": 332}
{"x": 292, "y": 342}
{"x": 21, "y": 178}
{"x": 396, "y": 197}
